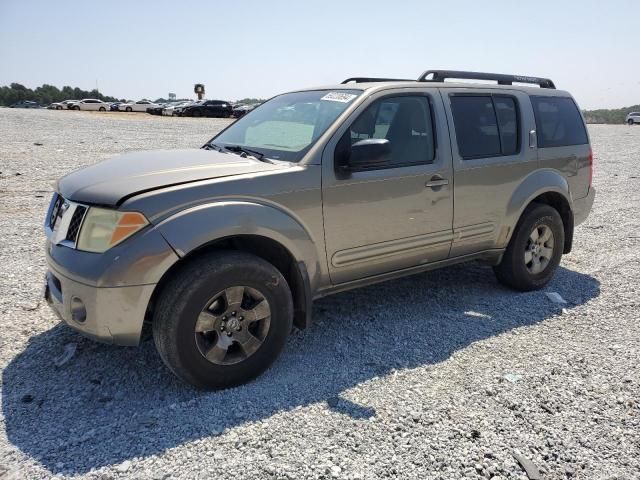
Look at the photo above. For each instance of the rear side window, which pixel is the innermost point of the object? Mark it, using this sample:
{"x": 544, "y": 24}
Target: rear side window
{"x": 558, "y": 122}
{"x": 486, "y": 125}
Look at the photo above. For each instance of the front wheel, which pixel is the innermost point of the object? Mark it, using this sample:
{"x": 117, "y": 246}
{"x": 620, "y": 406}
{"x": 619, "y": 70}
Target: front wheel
{"x": 128, "y": 109}
{"x": 535, "y": 250}
{"x": 630, "y": 121}
{"x": 102, "y": 109}
{"x": 223, "y": 319}
{"x": 197, "y": 113}
{"x": 58, "y": 107}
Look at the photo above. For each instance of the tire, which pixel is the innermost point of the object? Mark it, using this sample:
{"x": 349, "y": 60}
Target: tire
{"x": 58, "y": 107}
{"x": 630, "y": 121}
{"x": 196, "y": 113}
{"x": 76, "y": 108}
{"x": 195, "y": 289}
{"x": 513, "y": 271}
{"x": 128, "y": 109}
{"x": 102, "y": 109}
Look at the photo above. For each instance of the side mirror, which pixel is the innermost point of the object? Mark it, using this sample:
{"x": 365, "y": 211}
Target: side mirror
{"x": 369, "y": 154}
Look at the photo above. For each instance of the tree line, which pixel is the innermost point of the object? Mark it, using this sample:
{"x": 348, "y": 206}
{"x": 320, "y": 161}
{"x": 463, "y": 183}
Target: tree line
{"x": 615, "y": 115}
{"x": 47, "y": 94}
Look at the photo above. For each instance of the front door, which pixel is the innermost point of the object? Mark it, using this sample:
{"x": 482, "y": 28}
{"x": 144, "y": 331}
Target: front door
{"x": 400, "y": 215}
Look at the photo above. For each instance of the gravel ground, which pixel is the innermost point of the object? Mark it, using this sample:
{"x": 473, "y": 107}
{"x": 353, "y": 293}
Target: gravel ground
{"x": 439, "y": 375}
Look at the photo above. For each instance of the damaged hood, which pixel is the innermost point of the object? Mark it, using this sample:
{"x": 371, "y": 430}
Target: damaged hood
{"x": 112, "y": 180}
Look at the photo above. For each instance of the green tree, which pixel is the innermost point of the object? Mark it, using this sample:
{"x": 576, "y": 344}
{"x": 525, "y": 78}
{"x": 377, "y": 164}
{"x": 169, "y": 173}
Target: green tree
{"x": 46, "y": 94}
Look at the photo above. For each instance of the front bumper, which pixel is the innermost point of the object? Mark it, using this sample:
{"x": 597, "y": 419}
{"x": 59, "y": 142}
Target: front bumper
{"x": 105, "y": 296}
{"x": 582, "y": 206}
{"x": 111, "y": 315}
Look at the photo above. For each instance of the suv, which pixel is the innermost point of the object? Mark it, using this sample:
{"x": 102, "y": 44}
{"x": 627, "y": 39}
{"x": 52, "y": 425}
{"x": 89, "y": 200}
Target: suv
{"x": 633, "y": 117}
{"x": 221, "y": 250}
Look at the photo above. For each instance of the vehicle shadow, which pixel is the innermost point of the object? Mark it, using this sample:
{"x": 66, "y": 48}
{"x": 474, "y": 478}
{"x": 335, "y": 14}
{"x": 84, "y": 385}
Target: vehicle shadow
{"x": 110, "y": 404}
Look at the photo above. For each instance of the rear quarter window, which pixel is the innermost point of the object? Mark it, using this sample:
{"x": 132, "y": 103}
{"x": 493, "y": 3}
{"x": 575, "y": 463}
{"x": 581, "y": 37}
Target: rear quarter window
{"x": 558, "y": 122}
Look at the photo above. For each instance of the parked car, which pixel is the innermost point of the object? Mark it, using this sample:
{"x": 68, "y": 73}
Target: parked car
{"x": 114, "y": 106}
{"x": 140, "y": 106}
{"x": 56, "y": 106}
{"x": 25, "y": 104}
{"x": 69, "y": 103}
{"x": 633, "y": 117}
{"x": 175, "y": 108}
{"x": 221, "y": 250}
{"x": 156, "y": 110}
{"x": 91, "y": 104}
{"x": 242, "y": 110}
{"x": 208, "y": 108}
{"x": 179, "y": 109}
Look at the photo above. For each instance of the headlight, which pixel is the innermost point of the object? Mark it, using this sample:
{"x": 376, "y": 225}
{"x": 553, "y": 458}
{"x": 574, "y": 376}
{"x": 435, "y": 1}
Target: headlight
{"x": 103, "y": 228}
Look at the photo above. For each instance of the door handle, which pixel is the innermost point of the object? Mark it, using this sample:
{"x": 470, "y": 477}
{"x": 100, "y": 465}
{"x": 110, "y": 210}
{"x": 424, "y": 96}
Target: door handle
{"x": 436, "y": 181}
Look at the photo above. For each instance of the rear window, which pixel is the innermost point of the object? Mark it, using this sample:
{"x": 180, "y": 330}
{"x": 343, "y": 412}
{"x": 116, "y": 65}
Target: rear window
{"x": 558, "y": 122}
{"x": 486, "y": 126}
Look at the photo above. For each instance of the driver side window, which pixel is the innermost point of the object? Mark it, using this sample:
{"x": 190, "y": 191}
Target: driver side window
{"x": 406, "y": 121}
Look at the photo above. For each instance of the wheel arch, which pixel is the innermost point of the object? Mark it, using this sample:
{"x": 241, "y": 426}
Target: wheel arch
{"x": 294, "y": 271}
{"x": 259, "y": 229}
{"x": 546, "y": 187}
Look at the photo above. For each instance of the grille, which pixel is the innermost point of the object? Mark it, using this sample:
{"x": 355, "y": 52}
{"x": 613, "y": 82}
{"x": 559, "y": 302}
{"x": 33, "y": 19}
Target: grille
{"x": 75, "y": 223}
{"x": 55, "y": 211}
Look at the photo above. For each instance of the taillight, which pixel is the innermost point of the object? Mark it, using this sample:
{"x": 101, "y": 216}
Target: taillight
{"x": 590, "y": 167}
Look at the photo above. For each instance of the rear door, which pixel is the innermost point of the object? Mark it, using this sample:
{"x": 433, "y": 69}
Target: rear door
{"x": 491, "y": 156}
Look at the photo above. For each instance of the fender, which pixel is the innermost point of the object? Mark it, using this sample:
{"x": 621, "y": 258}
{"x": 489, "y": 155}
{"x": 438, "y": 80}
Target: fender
{"x": 194, "y": 227}
{"x": 534, "y": 185}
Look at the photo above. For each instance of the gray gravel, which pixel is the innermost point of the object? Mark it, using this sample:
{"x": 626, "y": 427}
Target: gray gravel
{"x": 440, "y": 375}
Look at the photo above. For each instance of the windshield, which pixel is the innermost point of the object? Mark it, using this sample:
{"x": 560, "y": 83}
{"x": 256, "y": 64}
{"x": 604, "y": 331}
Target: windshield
{"x": 285, "y": 127}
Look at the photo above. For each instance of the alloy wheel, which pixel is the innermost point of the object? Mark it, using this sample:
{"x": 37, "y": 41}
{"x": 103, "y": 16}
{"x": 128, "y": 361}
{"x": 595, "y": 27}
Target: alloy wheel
{"x": 539, "y": 250}
{"x": 233, "y": 325}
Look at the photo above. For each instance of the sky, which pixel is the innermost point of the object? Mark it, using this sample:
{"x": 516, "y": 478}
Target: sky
{"x": 145, "y": 49}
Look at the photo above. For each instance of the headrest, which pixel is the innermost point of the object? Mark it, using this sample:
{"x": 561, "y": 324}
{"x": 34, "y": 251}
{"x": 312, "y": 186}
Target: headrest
{"x": 365, "y": 124}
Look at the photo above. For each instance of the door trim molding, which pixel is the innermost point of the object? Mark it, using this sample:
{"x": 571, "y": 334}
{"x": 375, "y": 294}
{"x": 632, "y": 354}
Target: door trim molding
{"x": 383, "y": 250}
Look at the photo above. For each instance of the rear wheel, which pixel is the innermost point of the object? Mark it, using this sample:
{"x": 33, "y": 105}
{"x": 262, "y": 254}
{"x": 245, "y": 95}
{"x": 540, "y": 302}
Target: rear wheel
{"x": 197, "y": 113}
{"x": 223, "y": 319}
{"x": 630, "y": 121}
{"x": 102, "y": 109}
{"x": 535, "y": 250}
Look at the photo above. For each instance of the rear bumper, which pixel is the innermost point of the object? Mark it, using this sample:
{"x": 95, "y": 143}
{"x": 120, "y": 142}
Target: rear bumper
{"x": 582, "y": 207}
{"x": 111, "y": 315}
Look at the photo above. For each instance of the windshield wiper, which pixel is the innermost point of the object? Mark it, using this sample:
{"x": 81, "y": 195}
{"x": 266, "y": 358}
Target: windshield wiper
{"x": 213, "y": 146}
{"x": 247, "y": 151}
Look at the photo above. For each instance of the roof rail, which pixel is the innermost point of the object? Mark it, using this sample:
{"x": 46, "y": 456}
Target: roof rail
{"x": 441, "y": 75}
{"x": 373, "y": 79}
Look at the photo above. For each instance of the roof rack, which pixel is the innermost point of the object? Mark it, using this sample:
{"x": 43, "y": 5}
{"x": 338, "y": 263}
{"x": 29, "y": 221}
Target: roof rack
{"x": 373, "y": 79}
{"x": 441, "y": 75}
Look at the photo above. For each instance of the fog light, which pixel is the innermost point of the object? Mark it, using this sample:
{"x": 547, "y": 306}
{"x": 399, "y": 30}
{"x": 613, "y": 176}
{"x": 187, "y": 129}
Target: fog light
{"x": 78, "y": 310}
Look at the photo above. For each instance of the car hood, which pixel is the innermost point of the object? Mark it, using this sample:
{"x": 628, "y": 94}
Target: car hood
{"x": 112, "y": 181}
